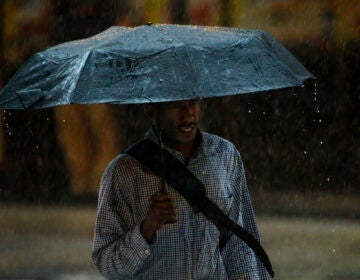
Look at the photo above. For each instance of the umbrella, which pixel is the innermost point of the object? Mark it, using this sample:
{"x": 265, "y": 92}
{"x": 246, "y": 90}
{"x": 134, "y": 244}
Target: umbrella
{"x": 153, "y": 63}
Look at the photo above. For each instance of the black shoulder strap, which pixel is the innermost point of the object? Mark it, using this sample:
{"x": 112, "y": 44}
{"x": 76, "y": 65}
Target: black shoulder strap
{"x": 184, "y": 182}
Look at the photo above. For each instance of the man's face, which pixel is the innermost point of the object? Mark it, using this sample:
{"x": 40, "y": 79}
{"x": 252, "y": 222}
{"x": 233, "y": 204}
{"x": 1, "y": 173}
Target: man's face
{"x": 178, "y": 121}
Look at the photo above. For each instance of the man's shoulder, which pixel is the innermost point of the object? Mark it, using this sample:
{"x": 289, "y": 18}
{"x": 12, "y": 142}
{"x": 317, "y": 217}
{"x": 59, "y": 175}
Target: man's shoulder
{"x": 122, "y": 160}
{"x": 213, "y": 140}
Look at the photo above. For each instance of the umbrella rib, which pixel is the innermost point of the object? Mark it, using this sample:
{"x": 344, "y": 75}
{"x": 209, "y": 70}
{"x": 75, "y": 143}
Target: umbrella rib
{"x": 193, "y": 71}
{"x": 275, "y": 53}
{"x": 187, "y": 55}
{"x": 16, "y": 97}
{"x": 80, "y": 71}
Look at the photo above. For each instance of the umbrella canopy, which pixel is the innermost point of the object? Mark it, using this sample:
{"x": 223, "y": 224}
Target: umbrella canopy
{"x": 153, "y": 63}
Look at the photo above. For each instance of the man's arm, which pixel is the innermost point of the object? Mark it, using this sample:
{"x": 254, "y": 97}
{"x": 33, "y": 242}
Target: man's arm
{"x": 119, "y": 248}
{"x": 239, "y": 259}
{"x": 120, "y": 245}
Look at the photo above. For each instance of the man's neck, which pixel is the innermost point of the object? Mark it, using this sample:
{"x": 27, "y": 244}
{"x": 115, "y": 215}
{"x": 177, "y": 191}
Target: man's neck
{"x": 188, "y": 149}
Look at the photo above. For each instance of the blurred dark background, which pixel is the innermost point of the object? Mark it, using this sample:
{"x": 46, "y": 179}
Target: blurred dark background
{"x": 303, "y": 140}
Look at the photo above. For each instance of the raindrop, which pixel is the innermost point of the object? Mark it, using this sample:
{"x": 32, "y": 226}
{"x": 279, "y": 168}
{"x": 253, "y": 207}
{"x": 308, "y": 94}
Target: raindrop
{"x": 64, "y": 121}
{"x": 328, "y": 179}
{"x": 333, "y": 250}
{"x": 316, "y": 102}
{"x": 315, "y": 88}
{"x": 9, "y": 133}
{"x": 321, "y": 142}
{"x": 249, "y": 111}
{"x": 305, "y": 152}
{"x": 333, "y": 230}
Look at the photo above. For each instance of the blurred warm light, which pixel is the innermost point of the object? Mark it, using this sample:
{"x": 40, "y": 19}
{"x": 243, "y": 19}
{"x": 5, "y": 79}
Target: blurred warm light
{"x": 347, "y": 26}
{"x": 88, "y": 138}
{"x": 296, "y": 21}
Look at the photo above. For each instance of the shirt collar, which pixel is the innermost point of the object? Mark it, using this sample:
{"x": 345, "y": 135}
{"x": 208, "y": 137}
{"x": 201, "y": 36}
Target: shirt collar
{"x": 199, "y": 143}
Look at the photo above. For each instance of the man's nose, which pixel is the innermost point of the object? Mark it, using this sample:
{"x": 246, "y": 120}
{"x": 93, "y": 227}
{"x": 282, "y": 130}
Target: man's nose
{"x": 188, "y": 109}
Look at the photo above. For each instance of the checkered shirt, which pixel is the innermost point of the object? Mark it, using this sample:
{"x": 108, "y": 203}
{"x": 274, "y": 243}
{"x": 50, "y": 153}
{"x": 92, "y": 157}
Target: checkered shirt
{"x": 188, "y": 249}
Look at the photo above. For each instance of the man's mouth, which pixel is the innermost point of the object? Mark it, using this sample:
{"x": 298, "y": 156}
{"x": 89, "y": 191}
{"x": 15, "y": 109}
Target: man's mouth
{"x": 187, "y": 128}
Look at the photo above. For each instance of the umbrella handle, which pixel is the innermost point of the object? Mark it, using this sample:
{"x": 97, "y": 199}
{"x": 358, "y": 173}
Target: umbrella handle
{"x": 164, "y": 188}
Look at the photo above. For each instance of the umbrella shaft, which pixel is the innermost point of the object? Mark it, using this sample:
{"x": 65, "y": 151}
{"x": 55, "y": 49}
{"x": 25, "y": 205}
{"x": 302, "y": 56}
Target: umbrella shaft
{"x": 164, "y": 188}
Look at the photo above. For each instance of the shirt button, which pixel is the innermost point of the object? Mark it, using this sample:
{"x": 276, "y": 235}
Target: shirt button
{"x": 147, "y": 252}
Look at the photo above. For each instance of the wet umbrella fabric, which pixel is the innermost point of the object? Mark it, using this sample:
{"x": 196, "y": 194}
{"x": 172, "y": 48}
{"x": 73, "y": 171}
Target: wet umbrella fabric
{"x": 153, "y": 63}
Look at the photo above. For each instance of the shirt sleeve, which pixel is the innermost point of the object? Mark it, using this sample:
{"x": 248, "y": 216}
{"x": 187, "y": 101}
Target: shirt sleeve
{"x": 239, "y": 259}
{"x": 118, "y": 251}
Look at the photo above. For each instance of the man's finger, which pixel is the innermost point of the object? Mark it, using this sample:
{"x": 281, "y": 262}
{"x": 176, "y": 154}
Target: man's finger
{"x": 161, "y": 197}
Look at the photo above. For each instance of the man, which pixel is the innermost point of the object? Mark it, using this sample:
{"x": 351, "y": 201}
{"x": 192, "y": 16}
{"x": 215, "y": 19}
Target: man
{"x": 143, "y": 233}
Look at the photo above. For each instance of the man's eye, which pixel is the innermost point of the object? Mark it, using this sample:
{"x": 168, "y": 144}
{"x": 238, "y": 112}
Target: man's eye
{"x": 174, "y": 105}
